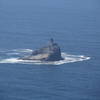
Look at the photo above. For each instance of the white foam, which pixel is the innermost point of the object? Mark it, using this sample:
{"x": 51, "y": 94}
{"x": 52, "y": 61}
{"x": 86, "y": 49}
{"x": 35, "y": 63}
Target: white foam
{"x": 68, "y": 58}
{"x": 13, "y": 53}
{"x": 10, "y": 60}
{"x": 22, "y": 50}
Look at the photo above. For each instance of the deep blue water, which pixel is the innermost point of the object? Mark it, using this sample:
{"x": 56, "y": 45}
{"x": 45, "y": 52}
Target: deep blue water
{"x": 28, "y": 24}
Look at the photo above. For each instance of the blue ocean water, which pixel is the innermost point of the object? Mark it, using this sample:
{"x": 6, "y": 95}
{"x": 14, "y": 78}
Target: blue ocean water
{"x": 28, "y": 24}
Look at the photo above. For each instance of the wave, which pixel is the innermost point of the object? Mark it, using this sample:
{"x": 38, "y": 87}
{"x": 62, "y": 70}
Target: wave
{"x": 22, "y": 50}
{"x": 16, "y": 50}
{"x": 12, "y": 56}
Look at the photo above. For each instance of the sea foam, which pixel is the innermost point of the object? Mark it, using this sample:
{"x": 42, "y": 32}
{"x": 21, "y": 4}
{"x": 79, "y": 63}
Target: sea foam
{"x": 9, "y": 57}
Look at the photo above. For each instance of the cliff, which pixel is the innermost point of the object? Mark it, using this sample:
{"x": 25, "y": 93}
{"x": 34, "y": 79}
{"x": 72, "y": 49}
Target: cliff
{"x": 51, "y": 52}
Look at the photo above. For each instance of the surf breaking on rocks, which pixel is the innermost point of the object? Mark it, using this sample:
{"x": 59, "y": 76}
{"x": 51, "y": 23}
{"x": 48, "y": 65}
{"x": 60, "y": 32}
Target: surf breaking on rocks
{"x": 12, "y": 57}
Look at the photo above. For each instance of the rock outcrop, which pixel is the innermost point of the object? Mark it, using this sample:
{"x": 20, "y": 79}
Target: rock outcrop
{"x": 51, "y": 52}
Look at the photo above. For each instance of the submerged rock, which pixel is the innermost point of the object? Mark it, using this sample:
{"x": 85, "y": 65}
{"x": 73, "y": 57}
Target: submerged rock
{"x": 51, "y": 52}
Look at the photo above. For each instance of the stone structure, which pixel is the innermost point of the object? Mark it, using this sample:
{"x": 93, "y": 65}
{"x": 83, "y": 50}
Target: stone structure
{"x": 51, "y": 52}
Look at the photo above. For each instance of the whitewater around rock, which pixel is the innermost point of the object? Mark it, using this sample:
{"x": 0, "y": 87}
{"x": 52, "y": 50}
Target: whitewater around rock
{"x": 12, "y": 57}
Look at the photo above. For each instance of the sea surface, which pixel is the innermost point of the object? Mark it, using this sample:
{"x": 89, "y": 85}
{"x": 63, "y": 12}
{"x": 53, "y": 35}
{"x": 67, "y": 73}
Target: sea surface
{"x": 26, "y": 25}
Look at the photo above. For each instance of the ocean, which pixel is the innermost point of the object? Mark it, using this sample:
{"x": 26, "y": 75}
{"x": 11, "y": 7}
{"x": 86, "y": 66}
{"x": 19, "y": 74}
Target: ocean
{"x": 26, "y": 25}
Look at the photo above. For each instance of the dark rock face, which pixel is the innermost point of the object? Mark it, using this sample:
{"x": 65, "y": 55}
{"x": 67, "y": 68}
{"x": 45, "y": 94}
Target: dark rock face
{"x": 51, "y": 52}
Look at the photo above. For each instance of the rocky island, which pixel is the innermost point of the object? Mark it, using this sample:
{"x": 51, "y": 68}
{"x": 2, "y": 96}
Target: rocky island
{"x": 51, "y": 52}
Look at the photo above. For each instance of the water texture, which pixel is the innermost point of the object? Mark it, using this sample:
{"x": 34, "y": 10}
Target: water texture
{"x": 74, "y": 25}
